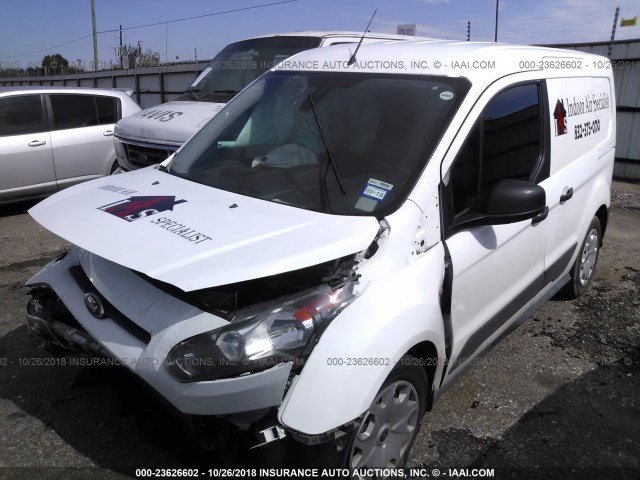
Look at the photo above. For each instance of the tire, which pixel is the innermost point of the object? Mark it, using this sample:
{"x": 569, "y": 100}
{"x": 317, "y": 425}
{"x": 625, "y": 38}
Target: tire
{"x": 407, "y": 380}
{"x": 585, "y": 264}
{"x": 376, "y": 442}
{"x": 386, "y": 432}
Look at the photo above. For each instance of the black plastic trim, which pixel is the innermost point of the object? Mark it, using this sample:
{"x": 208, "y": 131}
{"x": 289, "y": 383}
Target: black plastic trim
{"x": 445, "y": 307}
{"x": 542, "y": 216}
{"x": 498, "y": 320}
{"x": 566, "y": 196}
{"x": 559, "y": 266}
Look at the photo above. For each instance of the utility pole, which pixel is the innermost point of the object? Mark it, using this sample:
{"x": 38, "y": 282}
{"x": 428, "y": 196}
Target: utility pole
{"x": 613, "y": 32}
{"x": 497, "y": 8}
{"x": 120, "y": 53}
{"x": 95, "y": 39}
{"x": 468, "y": 31}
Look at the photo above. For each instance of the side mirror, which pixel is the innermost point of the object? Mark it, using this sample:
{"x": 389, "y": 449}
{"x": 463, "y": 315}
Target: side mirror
{"x": 512, "y": 200}
{"x": 507, "y": 201}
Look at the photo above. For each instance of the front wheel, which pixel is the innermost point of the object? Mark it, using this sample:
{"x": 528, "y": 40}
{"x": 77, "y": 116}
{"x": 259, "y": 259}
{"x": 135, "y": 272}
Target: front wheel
{"x": 382, "y": 437}
{"x": 389, "y": 427}
{"x": 585, "y": 264}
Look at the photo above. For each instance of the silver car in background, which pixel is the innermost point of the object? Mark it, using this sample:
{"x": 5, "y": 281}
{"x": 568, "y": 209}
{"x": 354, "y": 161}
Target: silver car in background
{"x": 55, "y": 137}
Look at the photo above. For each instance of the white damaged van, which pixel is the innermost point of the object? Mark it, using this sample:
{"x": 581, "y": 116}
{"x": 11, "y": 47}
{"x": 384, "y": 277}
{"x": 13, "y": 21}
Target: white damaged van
{"x": 333, "y": 249}
{"x": 150, "y": 136}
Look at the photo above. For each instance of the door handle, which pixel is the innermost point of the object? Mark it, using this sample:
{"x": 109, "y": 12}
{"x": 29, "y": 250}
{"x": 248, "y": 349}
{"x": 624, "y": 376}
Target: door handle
{"x": 108, "y": 133}
{"x": 566, "y": 196}
{"x": 36, "y": 143}
{"x": 540, "y": 217}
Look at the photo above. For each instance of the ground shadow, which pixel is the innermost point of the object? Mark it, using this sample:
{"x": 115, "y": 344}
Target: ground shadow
{"x": 104, "y": 412}
{"x": 18, "y": 208}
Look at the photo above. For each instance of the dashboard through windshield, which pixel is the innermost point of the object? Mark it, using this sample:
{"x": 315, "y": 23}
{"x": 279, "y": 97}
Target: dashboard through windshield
{"x": 336, "y": 142}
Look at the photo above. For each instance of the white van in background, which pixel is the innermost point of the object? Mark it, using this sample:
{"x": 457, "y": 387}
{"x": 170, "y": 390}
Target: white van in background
{"x": 325, "y": 258}
{"x": 150, "y": 136}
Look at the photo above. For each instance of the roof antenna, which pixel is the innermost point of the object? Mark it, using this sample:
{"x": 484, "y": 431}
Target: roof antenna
{"x": 352, "y": 60}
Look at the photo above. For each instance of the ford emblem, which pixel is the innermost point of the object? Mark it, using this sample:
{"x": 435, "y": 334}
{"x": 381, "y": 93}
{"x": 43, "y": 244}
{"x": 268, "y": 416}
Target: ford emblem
{"x": 94, "y": 304}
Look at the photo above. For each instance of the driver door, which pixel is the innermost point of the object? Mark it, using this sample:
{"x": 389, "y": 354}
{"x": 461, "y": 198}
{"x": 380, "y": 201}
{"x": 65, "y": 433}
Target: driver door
{"x": 497, "y": 269}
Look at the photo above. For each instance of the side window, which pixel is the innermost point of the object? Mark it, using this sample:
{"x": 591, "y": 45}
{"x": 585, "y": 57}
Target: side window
{"x": 77, "y": 111}
{"x": 21, "y": 115}
{"x": 506, "y": 142}
{"x": 107, "y": 110}
{"x": 73, "y": 111}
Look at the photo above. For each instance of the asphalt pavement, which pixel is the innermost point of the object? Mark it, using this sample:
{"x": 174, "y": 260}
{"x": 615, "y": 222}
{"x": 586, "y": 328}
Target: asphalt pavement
{"x": 557, "y": 398}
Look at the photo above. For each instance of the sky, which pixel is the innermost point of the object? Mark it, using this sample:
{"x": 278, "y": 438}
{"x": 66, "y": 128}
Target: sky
{"x": 31, "y": 29}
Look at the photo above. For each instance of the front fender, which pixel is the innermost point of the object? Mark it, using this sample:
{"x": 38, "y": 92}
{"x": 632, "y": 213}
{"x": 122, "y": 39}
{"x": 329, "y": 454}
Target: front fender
{"x": 395, "y": 312}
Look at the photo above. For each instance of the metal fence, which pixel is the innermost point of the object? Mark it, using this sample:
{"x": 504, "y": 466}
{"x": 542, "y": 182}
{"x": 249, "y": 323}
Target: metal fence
{"x": 156, "y": 85}
{"x": 151, "y": 86}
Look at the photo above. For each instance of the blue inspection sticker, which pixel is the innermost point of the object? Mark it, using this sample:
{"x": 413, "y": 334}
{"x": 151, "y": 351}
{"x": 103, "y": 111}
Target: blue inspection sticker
{"x": 376, "y": 189}
{"x": 376, "y": 193}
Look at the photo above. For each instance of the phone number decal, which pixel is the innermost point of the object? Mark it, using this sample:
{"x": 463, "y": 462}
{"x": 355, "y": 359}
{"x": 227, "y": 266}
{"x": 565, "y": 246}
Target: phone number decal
{"x": 585, "y": 129}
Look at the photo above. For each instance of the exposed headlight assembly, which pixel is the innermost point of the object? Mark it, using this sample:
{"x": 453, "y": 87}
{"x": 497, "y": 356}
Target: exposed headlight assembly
{"x": 260, "y": 336}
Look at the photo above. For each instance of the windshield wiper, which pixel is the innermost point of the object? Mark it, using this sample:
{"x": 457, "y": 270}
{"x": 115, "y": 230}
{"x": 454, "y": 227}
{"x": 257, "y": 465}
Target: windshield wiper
{"x": 191, "y": 92}
{"x": 228, "y": 92}
{"x": 325, "y": 196}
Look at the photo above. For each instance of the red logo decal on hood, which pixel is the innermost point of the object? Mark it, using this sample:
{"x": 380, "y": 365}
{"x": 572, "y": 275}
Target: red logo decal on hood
{"x": 135, "y": 208}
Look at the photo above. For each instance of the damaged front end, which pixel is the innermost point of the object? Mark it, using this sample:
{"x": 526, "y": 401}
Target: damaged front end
{"x": 273, "y": 320}
{"x": 262, "y": 335}
{"x": 241, "y": 363}
{"x": 54, "y": 328}
{"x": 228, "y": 352}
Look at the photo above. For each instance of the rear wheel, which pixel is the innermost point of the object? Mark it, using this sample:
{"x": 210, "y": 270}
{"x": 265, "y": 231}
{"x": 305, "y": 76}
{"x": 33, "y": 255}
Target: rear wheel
{"x": 584, "y": 267}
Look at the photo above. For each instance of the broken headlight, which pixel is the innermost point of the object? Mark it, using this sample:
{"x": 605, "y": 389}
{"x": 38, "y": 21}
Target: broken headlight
{"x": 261, "y": 336}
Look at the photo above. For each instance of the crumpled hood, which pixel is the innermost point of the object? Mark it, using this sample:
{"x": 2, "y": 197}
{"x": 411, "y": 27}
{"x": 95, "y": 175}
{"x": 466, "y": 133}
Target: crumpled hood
{"x": 193, "y": 236}
{"x": 173, "y": 122}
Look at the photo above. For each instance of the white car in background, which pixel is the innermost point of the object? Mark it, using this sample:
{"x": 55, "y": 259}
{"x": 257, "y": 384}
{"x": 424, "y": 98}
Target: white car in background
{"x": 54, "y": 137}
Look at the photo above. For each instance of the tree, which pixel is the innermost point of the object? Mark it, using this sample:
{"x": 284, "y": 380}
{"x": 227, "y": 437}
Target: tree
{"x": 55, "y": 63}
{"x": 138, "y": 58}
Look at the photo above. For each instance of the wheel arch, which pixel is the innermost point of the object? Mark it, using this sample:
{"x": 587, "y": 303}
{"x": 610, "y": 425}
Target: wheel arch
{"x": 427, "y": 354}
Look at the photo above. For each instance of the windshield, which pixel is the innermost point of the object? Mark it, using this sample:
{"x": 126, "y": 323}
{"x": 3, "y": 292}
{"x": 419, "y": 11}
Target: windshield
{"x": 335, "y": 142}
{"x": 240, "y": 63}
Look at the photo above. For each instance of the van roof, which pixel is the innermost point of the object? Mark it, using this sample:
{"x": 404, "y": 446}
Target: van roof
{"x": 338, "y": 34}
{"x": 480, "y": 62}
{"x": 63, "y": 89}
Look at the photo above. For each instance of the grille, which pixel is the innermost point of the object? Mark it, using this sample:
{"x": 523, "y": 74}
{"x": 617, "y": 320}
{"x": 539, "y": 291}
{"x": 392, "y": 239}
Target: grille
{"x": 140, "y": 156}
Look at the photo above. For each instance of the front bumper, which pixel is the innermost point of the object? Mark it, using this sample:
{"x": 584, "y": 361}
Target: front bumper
{"x": 52, "y": 331}
{"x": 140, "y": 344}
